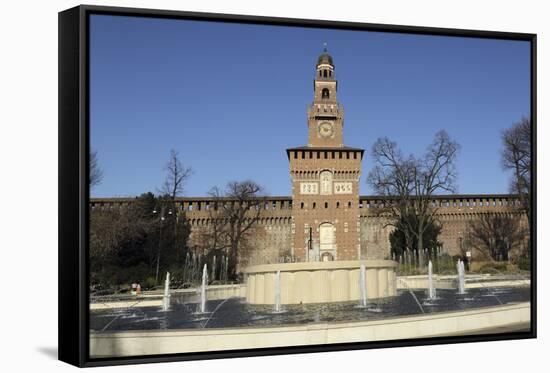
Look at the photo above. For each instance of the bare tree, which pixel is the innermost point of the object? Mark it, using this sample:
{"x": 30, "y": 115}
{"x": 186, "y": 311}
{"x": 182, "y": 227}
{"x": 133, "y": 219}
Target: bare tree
{"x": 435, "y": 173}
{"x": 407, "y": 184}
{"x": 392, "y": 179}
{"x": 96, "y": 173}
{"x": 176, "y": 176}
{"x": 495, "y": 235}
{"x": 239, "y": 208}
{"x": 213, "y": 236}
{"x": 516, "y": 156}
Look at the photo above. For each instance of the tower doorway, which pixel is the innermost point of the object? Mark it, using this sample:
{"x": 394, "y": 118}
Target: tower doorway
{"x": 327, "y": 241}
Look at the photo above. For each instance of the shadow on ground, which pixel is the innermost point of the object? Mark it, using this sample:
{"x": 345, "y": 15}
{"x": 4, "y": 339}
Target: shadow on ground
{"x": 50, "y": 352}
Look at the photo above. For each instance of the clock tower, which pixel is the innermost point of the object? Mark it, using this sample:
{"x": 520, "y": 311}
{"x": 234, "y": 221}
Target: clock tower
{"x": 325, "y": 115}
{"x": 325, "y": 178}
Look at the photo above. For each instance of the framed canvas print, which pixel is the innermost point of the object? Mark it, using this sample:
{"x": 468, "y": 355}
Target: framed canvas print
{"x": 216, "y": 200}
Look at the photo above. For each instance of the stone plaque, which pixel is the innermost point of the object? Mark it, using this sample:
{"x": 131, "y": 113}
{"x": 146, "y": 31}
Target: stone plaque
{"x": 343, "y": 188}
{"x": 309, "y": 188}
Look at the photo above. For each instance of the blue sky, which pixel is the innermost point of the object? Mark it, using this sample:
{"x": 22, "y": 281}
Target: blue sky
{"x": 230, "y": 94}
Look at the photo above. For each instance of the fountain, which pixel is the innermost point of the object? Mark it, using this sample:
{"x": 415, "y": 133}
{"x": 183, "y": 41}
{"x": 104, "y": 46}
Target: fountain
{"x": 431, "y": 286}
{"x": 363, "y": 285}
{"x": 460, "y": 277}
{"x": 321, "y": 282}
{"x": 166, "y": 297}
{"x": 203, "y": 288}
{"x": 413, "y": 295}
{"x": 278, "y": 291}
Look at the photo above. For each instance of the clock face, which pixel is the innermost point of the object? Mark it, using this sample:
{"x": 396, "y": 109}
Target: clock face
{"x": 326, "y": 130}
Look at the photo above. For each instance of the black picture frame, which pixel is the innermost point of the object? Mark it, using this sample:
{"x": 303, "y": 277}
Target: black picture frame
{"x": 74, "y": 194}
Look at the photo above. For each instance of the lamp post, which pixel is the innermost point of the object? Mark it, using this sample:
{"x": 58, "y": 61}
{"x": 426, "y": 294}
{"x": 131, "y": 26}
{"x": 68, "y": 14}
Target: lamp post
{"x": 310, "y": 242}
{"x": 507, "y": 248}
{"x": 161, "y": 220}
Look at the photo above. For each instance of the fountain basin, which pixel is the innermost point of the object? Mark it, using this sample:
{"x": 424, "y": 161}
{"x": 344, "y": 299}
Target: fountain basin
{"x": 320, "y": 282}
{"x": 487, "y": 320}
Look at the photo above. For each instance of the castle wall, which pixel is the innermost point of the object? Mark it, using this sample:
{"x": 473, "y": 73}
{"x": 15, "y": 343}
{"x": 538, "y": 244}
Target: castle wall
{"x": 272, "y": 238}
{"x": 375, "y": 232}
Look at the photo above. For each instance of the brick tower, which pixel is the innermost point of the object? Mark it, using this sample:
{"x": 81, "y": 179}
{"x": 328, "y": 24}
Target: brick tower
{"x": 325, "y": 179}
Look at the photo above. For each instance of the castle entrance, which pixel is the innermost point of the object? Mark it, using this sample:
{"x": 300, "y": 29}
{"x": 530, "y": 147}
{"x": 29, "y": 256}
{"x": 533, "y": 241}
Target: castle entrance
{"x": 327, "y": 241}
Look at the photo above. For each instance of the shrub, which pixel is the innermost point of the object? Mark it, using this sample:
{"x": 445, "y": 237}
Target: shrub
{"x": 524, "y": 263}
{"x": 493, "y": 267}
{"x": 150, "y": 282}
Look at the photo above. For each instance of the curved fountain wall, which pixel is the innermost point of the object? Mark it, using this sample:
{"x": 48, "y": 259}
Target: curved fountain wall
{"x": 320, "y": 282}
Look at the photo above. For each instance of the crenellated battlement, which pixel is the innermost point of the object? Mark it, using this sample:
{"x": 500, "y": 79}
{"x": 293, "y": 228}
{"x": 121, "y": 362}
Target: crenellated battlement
{"x": 281, "y": 206}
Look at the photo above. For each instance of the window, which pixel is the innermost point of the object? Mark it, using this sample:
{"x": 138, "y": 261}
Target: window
{"x": 302, "y": 205}
{"x": 313, "y": 205}
{"x": 326, "y": 182}
{"x": 349, "y": 204}
{"x": 324, "y": 73}
{"x": 337, "y": 205}
{"x": 326, "y": 205}
{"x": 325, "y": 94}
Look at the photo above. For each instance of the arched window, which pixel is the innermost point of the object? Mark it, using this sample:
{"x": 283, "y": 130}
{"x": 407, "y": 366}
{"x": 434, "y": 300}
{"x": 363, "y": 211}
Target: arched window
{"x": 326, "y": 182}
{"x": 324, "y": 73}
{"x": 325, "y": 94}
